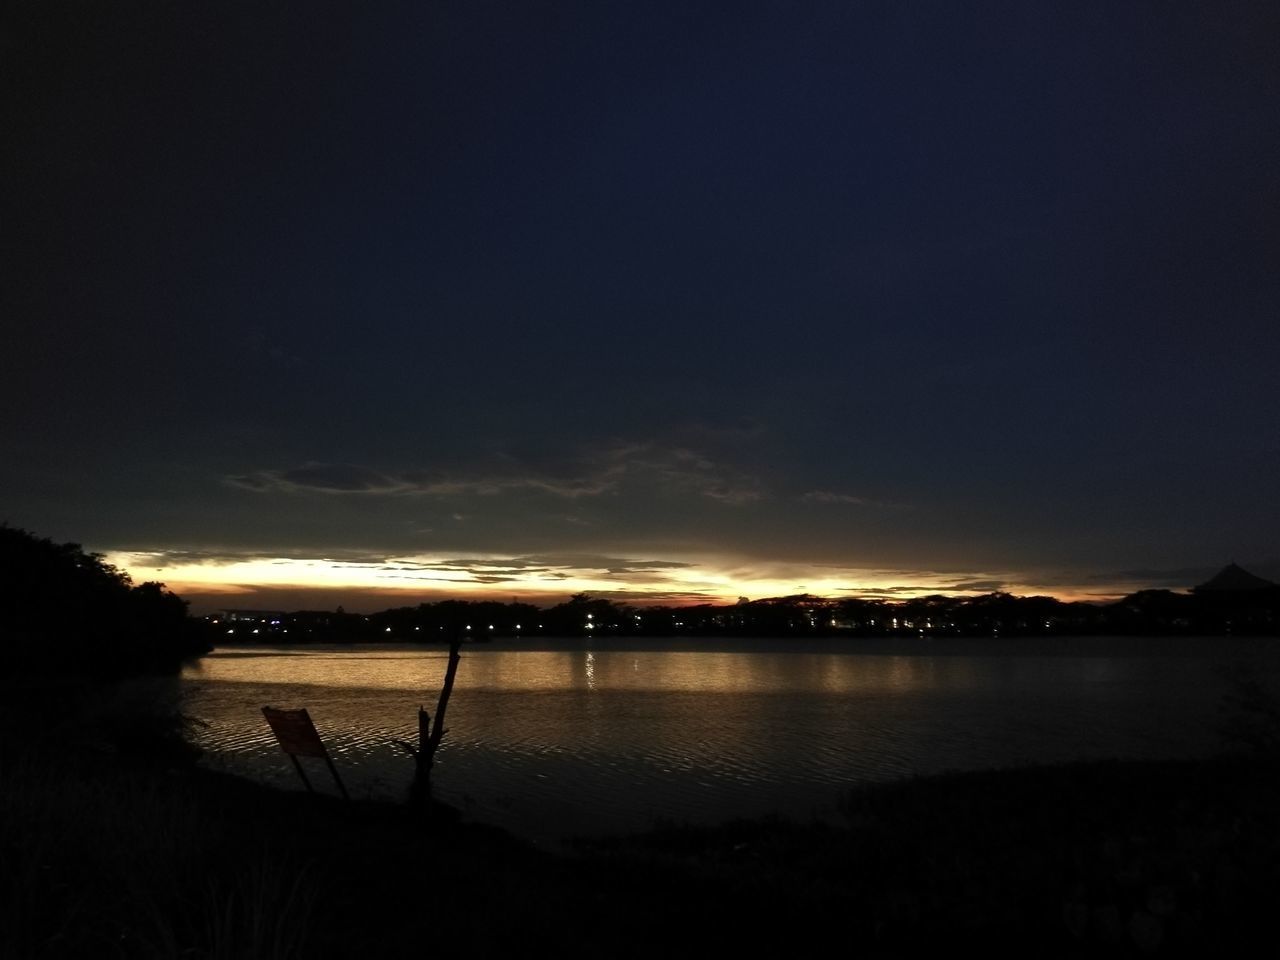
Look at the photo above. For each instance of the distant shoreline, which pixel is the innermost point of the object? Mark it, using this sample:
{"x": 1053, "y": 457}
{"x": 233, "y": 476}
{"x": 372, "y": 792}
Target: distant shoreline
{"x": 1230, "y": 604}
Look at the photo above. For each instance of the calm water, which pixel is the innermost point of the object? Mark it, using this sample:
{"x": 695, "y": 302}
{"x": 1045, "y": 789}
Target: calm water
{"x": 598, "y": 736}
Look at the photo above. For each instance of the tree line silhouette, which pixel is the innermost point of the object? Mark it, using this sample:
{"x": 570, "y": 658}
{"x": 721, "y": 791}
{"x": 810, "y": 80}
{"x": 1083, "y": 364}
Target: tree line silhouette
{"x": 1154, "y": 612}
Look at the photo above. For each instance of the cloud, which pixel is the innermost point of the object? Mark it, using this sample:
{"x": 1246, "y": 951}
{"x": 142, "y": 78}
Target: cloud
{"x": 734, "y": 496}
{"x": 259, "y": 342}
{"x": 211, "y": 557}
{"x": 827, "y": 496}
{"x": 978, "y": 586}
{"x": 679, "y": 470}
{"x": 1171, "y": 577}
{"x": 680, "y": 597}
{"x": 346, "y": 479}
{"x": 1124, "y": 581}
{"x": 865, "y": 591}
{"x": 175, "y": 558}
{"x": 570, "y": 488}
{"x": 848, "y": 499}
{"x": 322, "y": 478}
{"x": 556, "y": 564}
{"x": 500, "y": 570}
{"x": 624, "y": 467}
{"x": 928, "y": 582}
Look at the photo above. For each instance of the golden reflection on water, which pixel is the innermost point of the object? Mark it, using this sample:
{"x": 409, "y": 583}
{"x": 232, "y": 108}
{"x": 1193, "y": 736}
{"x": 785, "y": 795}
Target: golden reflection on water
{"x": 590, "y": 734}
{"x": 488, "y": 668}
{"x": 323, "y": 667}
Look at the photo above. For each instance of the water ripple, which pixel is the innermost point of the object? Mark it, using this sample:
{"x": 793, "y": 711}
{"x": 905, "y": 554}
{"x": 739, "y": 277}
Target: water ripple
{"x": 538, "y": 745}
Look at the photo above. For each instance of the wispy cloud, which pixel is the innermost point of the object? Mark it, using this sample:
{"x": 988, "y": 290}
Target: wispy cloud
{"x": 664, "y": 597}
{"x": 827, "y": 496}
{"x": 623, "y": 467}
{"x": 887, "y": 591}
{"x": 1161, "y": 577}
{"x": 676, "y": 469}
{"x": 329, "y": 478}
{"x": 977, "y": 586}
{"x": 321, "y": 478}
{"x": 554, "y": 566}
{"x": 485, "y": 570}
{"x": 847, "y": 499}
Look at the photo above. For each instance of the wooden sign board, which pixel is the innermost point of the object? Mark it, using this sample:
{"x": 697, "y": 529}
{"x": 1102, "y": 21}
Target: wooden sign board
{"x": 295, "y": 732}
{"x": 298, "y": 737}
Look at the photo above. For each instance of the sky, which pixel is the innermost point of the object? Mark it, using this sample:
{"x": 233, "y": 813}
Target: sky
{"x": 309, "y": 304}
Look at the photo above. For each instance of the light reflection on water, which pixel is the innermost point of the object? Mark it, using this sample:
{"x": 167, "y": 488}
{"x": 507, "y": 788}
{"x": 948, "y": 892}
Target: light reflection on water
{"x": 597, "y": 735}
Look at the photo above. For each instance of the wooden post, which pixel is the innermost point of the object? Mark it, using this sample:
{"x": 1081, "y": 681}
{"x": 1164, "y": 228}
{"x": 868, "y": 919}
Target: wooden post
{"x": 430, "y": 734}
{"x": 302, "y": 773}
{"x": 424, "y": 729}
{"x": 438, "y": 731}
{"x": 336, "y": 779}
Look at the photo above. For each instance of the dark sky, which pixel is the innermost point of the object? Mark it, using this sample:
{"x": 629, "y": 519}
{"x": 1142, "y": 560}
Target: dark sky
{"x": 683, "y": 298}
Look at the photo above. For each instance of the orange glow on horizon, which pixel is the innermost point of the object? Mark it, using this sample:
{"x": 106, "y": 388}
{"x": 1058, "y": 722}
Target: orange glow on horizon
{"x": 399, "y": 581}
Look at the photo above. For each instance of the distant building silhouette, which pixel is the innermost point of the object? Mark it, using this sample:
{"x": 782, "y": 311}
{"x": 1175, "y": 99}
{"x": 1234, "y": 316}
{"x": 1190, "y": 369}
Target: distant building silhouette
{"x": 251, "y": 616}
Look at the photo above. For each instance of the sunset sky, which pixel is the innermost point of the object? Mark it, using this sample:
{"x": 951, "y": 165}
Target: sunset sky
{"x": 309, "y": 304}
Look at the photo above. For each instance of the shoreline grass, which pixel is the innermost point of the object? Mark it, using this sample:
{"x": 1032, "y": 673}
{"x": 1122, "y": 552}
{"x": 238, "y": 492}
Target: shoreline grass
{"x": 106, "y": 856}
{"x": 115, "y": 843}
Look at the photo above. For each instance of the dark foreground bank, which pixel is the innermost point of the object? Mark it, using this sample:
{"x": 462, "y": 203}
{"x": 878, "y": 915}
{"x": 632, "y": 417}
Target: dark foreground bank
{"x": 116, "y": 850}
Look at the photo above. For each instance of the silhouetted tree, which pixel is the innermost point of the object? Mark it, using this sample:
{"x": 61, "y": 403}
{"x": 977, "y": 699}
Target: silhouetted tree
{"x": 431, "y": 733}
{"x": 65, "y": 610}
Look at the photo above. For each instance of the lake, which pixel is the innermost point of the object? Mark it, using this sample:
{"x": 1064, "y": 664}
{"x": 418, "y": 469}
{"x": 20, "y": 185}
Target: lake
{"x": 551, "y": 738}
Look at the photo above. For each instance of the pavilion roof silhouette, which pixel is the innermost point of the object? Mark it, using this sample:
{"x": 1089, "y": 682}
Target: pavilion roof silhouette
{"x": 1233, "y": 578}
